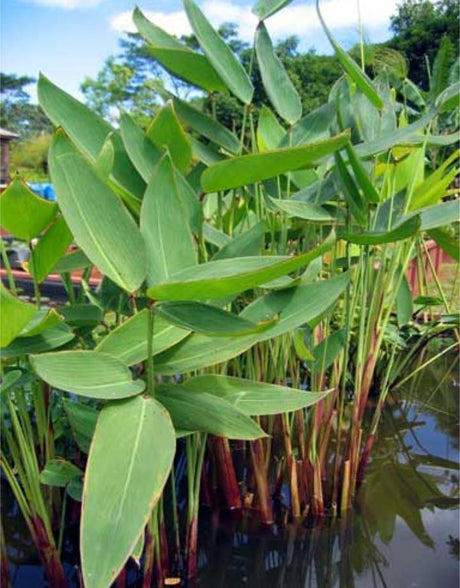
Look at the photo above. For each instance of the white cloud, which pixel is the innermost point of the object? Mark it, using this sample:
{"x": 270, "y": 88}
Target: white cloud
{"x": 66, "y": 4}
{"x": 300, "y": 20}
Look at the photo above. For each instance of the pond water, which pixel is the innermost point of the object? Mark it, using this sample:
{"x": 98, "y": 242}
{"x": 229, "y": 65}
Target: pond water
{"x": 403, "y": 532}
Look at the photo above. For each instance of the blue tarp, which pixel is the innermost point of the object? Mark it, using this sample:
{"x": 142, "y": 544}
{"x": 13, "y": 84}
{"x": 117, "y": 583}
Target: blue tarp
{"x": 43, "y": 189}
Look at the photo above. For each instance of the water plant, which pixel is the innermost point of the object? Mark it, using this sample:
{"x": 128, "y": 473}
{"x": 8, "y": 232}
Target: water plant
{"x": 254, "y": 290}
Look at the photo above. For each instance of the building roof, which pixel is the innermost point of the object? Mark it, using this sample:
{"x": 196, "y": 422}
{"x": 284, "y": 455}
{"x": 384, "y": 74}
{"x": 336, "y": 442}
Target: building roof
{"x": 8, "y": 135}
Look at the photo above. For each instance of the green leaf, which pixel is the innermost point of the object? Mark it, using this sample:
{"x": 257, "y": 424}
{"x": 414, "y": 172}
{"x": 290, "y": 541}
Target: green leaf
{"x": 46, "y": 341}
{"x": 97, "y": 218}
{"x": 214, "y": 236}
{"x": 50, "y": 249}
{"x": 404, "y": 305}
{"x": 81, "y": 315}
{"x": 298, "y": 209}
{"x": 190, "y": 203}
{"x": 403, "y": 230}
{"x": 433, "y": 188}
{"x": 166, "y": 132}
{"x": 326, "y": 352}
{"x": 206, "y": 413}
{"x": 448, "y": 243}
{"x": 295, "y": 307}
{"x": 89, "y": 133}
{"x": 82, "y": 420}
{"x": 367, "y": 187}
{"x": 265, "y": 8}
{"x": 41, "y": 322}
{"x": 59, "y": 472}
{"x": 14, "y": 315}
{"x": 73, "y": 261}
{"x": 9, "y": 381}
{"x": 143, "y": 153}
{"x": 138, "y": 550}
{"x": 219, "y": 54}
{"x": 351, "y": 194}
{"x": 245, "y": 244}
{"x": 128, "y": 342}
{"x": 23, "y": 213}
{"x": 247, "y": 169}
{"x": 129, "y": 461}
{"x": 439, "y": 215}
{"x": 206, "y": 126}
{"x": 225, "y": 277}
{"x": 106, "y": 158}
{"x": 87, "y": 373}
{"x": 204, "y": 318}
{"x": 353, "y": 70}
{"x": 177, "y": 58}
{"x": 253, "y": 398}
{"x": 312, "y": 127}
{"x": 280, "y": 90}
{"x": 169, "y": 241}
{"x": 269, "y": 130}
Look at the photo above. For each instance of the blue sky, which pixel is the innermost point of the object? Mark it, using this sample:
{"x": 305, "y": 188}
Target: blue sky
{"x": 70, "y": 39}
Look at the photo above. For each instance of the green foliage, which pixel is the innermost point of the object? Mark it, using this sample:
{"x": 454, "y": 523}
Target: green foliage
{"x": 16, "y": 113}
{"x": 420, "y": 27}
{"x": 228, "y": 254}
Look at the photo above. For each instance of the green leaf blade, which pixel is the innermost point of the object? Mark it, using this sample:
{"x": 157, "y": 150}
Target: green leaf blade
{"x": 87, "y": 373}
{"x": 97, "y": 217}
{"x": 129, "y": 461}
{"x": 248, "y": 169}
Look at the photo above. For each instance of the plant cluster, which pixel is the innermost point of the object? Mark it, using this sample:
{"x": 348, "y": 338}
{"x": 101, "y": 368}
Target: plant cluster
{"x": 254, "y": 291}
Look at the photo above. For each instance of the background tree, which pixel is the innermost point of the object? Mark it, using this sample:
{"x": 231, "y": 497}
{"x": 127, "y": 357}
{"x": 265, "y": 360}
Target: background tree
{"x": 419, "y": 27}
{"x": 17, "y": 114}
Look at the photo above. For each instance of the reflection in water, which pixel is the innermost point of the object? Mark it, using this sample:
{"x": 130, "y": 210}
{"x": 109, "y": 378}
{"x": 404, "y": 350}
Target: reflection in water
{"x": 403, "y": 531}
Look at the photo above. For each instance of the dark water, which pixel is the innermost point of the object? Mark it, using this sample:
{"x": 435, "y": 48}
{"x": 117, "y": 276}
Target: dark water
{"x": 403, "y": 532}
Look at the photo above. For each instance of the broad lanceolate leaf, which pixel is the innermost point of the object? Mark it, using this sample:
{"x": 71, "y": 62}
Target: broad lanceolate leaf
{"x": 206, "y": 126}
{"x": 41, "y": 322}
{"x": 89, "y": 133}
{"x": 248, "y": 243}
{"x": 352, "y": 69}
{"x": 312, "y": 127}
{"x": 295, "y": 307}
{"x": 304, "y": 210}
{"x": 204, "y": 318}
{"x": 403, "y": 230}
{"x": 169, "y": 242}
{"x": 59, "y": 472}
{"x": 82, "y": 420}
{"x": 176, "y": 57}
{"x": 141, "y": 150}
{"x": 440, "y": 215}
{"x": 73, "y": 261}
{"x": 128, "y": 342}
{"x": 166, "y": 132}
{"x": 46, "y": 341}
{"x": 253, "y": 398}
{"x": 129, "y": 462}
{"x": 328, "y": 350}
{"x": 353, "y": 198}
{"x": 265, "y": 8}
{"x": 87, "y": 373}
{"x": 101, "y": 225}
{"x": 279, "y": 88}
{"x": 225, "y": 277}
{"x": 269, "y": 131}
{"x": 219, "y": 54}
{"x": 14, "y": 314}
{"x": 248, "y": 169}
{"x": 23, "y": 213}
{"x": 206, "y": 413}
{"x": 50, "y": 248}
{"x": 447, "y": 241}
